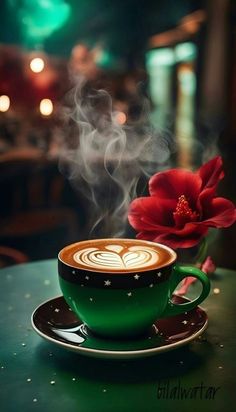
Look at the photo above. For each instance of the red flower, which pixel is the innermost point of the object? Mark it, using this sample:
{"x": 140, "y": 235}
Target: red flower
{"x": 182, "y": 206}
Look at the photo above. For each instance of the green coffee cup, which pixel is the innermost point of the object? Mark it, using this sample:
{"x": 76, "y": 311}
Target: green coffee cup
{"x": 120, "y": 287}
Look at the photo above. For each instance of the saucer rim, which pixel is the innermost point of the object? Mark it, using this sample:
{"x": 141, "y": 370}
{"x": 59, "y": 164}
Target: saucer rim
{"x": 113, "y": 354}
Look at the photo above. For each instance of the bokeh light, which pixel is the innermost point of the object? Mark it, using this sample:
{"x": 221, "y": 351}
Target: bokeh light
{"x": 185, "y": 52}
{"x": 46, "y": 107}
{"x": 38, "y": 19}
{"x": 37, "y": 65}
{"x": 121, "y": 117}
{"x": 4, "y": 103}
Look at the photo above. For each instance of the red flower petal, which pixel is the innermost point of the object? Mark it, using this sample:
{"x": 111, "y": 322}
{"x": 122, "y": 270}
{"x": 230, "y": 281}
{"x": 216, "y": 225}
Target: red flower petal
{"x": 173, "y": 183}
{"x": 189, "y": 236}
{"x": 220, "y": 212}
{"x": 189, "y": 229}
{"x": 147, "y": 236}
{"x": 211, "y": 172}
{"x": 208, "y": 265}
{"x": 175, "y": 242}
{"x": 204, "y": 199}
{"x": 150, "y": 213}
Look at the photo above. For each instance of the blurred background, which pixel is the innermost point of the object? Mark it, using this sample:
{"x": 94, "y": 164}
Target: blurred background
{"x": 179, "y": 54}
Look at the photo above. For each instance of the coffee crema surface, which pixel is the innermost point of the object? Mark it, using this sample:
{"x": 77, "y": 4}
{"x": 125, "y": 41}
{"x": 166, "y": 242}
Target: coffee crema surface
{"x": 117, "y": 255}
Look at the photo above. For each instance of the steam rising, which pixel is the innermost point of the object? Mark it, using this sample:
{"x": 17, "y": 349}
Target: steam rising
{"x": 105, "y": 160}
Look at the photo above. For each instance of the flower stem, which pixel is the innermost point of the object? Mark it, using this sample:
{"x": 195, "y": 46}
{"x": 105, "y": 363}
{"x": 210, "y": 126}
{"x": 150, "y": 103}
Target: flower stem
{"x": 202, "y": 253}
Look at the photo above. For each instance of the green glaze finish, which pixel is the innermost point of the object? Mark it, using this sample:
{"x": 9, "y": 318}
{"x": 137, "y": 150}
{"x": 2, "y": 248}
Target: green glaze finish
{"x": 84, "y": 384}
{"x": 178, "y": 274}
{"x": 116, "y": 312}
{"x": 123, "y": 313}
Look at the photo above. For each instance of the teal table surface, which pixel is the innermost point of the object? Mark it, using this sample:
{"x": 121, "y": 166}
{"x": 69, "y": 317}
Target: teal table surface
{"x": 36, "y": 375}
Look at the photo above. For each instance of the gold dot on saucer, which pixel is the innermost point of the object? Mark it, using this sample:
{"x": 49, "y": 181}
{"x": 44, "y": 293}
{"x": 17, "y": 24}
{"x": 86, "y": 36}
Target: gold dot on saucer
{"x": 216, "y": 291}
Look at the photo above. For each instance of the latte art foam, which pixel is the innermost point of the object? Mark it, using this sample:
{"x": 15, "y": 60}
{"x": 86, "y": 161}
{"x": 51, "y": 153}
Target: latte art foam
{"x": 112, "y": 257}
{"x": 117, "y": 255}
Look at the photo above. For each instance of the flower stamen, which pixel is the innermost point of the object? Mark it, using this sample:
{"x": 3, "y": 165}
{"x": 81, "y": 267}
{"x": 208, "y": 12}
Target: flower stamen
{"x": 183, "y": 212}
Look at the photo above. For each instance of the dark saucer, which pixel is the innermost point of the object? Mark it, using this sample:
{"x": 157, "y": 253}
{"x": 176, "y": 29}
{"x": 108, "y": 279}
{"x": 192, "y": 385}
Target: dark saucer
{"x": 54, "y": 321}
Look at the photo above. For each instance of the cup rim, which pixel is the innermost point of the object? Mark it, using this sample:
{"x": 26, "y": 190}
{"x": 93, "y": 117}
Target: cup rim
{"x": 173, "y": 256}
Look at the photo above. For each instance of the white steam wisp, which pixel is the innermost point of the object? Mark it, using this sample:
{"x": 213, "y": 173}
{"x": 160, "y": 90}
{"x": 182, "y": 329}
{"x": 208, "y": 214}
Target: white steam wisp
{"x": 105, "y": 160}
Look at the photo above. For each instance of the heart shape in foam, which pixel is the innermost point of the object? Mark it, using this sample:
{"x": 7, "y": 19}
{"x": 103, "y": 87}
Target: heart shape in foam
{"x": 117, "y": 257}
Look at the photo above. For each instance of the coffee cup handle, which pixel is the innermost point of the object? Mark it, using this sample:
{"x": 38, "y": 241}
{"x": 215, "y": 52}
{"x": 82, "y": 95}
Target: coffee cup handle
{"x": 178, "y": 274}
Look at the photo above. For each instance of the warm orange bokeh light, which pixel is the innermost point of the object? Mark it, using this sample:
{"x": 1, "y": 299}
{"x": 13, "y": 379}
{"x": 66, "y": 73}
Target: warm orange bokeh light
{"x": 4, "y": 103}
{"x": 37, "y": 65}
{"x": 121, "y": 117}
{"x": 46, "y": 107}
